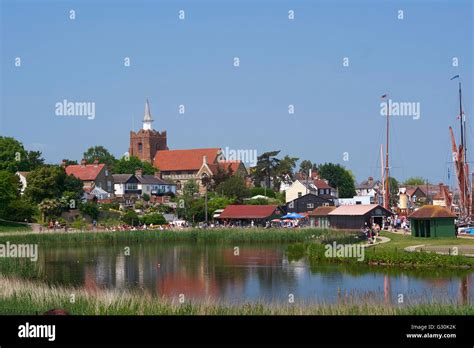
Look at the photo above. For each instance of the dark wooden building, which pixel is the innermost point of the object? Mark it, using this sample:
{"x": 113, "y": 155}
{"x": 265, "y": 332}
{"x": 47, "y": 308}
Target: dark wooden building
{"x": 307, "y": 203}
{"x": 354, "y": 217}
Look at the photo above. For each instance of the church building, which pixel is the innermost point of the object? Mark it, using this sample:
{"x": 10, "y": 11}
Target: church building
{"x": 146, "y": 142}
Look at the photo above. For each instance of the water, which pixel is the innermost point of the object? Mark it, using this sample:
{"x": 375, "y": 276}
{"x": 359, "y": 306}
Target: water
{"x": 252, "y": 273}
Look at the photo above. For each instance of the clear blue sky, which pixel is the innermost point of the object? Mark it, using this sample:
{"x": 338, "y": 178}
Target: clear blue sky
{"x": 190, "y": 62}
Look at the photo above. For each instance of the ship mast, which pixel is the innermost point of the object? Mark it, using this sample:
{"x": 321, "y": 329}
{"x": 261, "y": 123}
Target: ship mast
{"x": 386, "y": 200}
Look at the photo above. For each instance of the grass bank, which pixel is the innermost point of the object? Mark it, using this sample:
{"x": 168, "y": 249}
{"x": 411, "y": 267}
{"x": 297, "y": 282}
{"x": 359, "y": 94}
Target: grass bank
{"x": 391, "y": 253}
{"x": 197, "y": 235}
{"x": 9, "y": 226}
{"x": 26, "y": 297}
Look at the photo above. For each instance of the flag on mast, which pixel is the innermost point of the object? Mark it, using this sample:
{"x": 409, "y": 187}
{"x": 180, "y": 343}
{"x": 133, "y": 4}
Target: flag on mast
{"x": 454, "y": 77}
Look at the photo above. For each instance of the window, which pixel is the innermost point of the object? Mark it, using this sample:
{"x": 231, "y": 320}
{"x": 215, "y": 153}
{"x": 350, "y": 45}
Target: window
{"x": 106, "y": 172}
{"x": 310, "y": 205}
{"x": 131, "y": 186}
{"x": 140, "y": 147}
{"x": 299, "y": 194}
{"x": 109, "y": 185}
{"x": 291, "y": 205}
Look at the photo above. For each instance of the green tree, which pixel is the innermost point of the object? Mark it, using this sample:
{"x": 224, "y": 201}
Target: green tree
{"x": 14, "y": 157}
{"x": 9, "y": 191}
{"x": 190, "y": 188}
{"x": 51, "y": 182}
{"x": 284, "y": 172}
{"x": 101, "y": 154}
{"x": 234, "y": 187}
{"x": 338, "y": 177}
{"x": 50, "y": 207}
{"x": 90, "y": 209}
{"x": 21, "y": 209}
{"x": 265, "y": 168}
{"x": 130, "y": 217}
{"x": 154, "y": 218}
{"x": 305, "y": 166}
{"x": 127, "y": 165}
{"x": 393, "y": 189}
{"x": 415, "y": 181}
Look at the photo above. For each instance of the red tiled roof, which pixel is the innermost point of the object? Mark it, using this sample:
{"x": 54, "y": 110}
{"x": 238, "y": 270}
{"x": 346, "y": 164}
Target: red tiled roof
{"x": 85, "y": 172}
{"x": 321, "y": 184}
{"x": 176, "y": 160}
{"x": 224, "y": 165}
{"x": 248, "y": 211}
{"x": 432, "y": 211}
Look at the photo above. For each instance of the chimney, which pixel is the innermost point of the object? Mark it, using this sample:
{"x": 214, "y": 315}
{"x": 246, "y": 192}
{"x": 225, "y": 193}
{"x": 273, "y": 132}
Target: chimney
{"x": 83, "y": 162}
{"x": 96, "y": 162}
{"x": 370, "y": 181}
{"x": 158, "y": 174}
{"x": 204, "y": 159}
{"x": 138, "y": 172}
{"x": 64, "y": 163}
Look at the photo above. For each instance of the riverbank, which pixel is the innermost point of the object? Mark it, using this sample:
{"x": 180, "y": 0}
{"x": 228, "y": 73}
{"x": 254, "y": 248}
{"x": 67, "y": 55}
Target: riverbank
{"x": 26, "y": 297}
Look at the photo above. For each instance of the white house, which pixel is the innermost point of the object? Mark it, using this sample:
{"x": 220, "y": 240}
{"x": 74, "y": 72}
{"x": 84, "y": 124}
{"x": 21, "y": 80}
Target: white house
{"x": 318, "y": 187}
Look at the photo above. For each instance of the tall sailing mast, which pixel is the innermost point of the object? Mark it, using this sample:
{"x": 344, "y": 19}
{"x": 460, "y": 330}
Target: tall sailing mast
{"x": 386, "y": 198}
{"x": 460, "y": 161}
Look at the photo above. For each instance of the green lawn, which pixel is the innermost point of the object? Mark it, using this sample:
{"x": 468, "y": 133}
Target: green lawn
{"x": 7, "y": 226}
{"x": 400, "y": 242}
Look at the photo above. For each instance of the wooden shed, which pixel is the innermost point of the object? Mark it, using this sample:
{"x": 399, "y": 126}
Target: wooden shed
{"x": 353, "y": 217}
{"x": 432, "y": 221}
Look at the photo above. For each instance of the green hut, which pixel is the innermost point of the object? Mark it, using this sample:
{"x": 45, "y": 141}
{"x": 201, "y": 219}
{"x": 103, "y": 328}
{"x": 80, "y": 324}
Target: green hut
{"x": 431, "y": 221}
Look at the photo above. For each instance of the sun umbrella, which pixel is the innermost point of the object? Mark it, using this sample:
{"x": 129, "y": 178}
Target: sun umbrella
{"x": 276, "y": 220}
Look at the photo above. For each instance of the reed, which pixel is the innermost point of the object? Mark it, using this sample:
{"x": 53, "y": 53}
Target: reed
{"x": 27, "y": 297}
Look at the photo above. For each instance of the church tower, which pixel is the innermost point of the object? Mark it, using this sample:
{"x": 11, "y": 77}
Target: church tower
{"x": 146, "y": 142}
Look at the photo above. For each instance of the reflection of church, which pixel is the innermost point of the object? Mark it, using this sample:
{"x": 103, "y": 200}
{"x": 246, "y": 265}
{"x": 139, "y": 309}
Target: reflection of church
{"x": 178, "y": 166}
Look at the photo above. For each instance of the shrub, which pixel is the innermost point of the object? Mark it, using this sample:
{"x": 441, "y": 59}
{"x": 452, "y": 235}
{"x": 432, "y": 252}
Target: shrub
{"x": 154, "y": 218}
{"x": 130, "y": 217}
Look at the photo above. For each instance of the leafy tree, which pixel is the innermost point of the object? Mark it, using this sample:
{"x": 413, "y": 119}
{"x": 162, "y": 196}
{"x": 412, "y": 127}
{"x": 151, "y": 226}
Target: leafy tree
{"x": 284, "y": 172}
{"x": 101, "y": 154}
{"x": 258, "y": 201}
{"x": 50, "y": 207}
{"x": 51, "y": 182}
{"x": 265, "y": 168}
{"x": 305, "y": 166}
{"x": 130, "y": 217}
{"x": 9, "y": 191}
{"x": 154, "y": 218}
{"x": 393, "y": 189}
{"x": 260, "y": 191}
{"x": 90, "y": 209}
{"x": 338, "y": 177}
{"x": 146, "y": 197}
{"x": 234, "y": 187}
{"x": 130, "y": 165}
{"x": 21, "y": 209}
{"x": 415, "y": 181}
{"x": 14, "y": 157}
{"x": 190, "y": 188}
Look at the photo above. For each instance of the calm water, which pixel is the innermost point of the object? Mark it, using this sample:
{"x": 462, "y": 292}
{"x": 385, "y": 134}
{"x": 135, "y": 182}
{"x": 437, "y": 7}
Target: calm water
{"x": 260, "y": 272}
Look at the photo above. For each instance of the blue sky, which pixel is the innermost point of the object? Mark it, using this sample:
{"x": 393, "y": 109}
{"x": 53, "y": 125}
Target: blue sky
{"x": 282, "y": 62}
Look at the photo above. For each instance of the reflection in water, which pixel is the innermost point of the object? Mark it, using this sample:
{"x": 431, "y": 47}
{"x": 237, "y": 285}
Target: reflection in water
{"x": 257, "y": 272}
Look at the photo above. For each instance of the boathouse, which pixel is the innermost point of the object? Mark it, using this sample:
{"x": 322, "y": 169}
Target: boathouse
{"x": 319, "y": 217}
{"x": 354, "y": 217}
{"x": 432, "y": 221}
{"x": 244, "y": 215}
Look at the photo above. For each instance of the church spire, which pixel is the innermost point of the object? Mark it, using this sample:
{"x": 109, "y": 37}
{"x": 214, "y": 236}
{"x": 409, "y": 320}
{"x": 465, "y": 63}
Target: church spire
{"x": 147, "y": 120}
